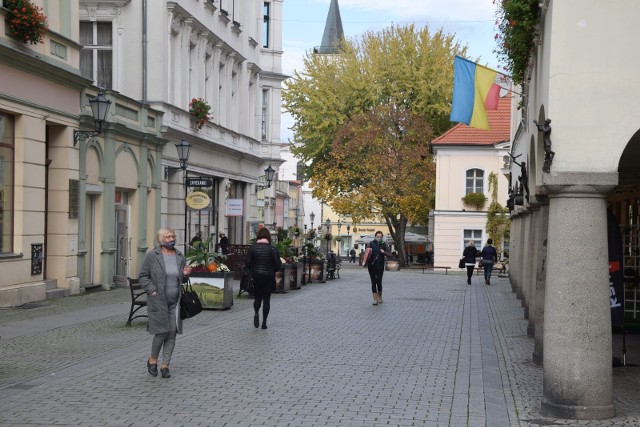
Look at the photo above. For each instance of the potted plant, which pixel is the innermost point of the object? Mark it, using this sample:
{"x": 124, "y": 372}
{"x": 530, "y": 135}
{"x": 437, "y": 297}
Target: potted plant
{"x": 283, "y": 279}
{"x": 26, "y": 21}
{"x": 475, "y": 200}
{"x": 210, "y": 277}
{"x": 199, "y": 109}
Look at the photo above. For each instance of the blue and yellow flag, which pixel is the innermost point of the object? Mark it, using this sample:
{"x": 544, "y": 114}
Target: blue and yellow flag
{"x": 474, "y": 92}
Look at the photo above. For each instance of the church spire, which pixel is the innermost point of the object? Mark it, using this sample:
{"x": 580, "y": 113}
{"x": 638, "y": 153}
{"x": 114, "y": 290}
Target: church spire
{"x": 333, "y": 33}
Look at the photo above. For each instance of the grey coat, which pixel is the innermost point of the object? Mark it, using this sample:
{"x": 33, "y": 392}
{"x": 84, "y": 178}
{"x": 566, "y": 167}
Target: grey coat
{"x": 152, "y": 277}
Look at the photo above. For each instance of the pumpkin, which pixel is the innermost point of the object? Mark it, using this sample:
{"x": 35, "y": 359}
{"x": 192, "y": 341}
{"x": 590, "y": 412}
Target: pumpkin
{"x": 212, "y": 267}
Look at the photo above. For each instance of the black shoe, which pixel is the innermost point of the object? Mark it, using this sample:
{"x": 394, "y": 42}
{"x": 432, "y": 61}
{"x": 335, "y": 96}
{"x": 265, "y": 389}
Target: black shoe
{"x": 256, "y": 320}
{"x": 488, "y": 282}
{"x": 152, "y": 368}
{"x": 165, "y": 372}
{"x": 264, "y": 325}
{"x": 468, "y": 281}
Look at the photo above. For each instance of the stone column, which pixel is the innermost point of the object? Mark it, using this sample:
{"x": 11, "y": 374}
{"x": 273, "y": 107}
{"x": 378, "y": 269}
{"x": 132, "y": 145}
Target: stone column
{"x": 533, "y": 244}
{"x": 514, "y": 242}
{"x": 541, "y": 280}
{"x": 577, "y": 319}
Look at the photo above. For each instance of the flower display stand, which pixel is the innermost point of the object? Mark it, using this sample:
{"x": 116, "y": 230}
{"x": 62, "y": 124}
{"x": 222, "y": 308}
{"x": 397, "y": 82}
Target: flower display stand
{"x": 215, "y": 290}
{"x": 282, "y": 278}
{"x": 295, "y": 275}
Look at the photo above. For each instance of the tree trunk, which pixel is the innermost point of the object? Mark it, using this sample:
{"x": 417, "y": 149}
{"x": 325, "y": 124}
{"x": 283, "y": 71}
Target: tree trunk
{"x": 397, "y": 227}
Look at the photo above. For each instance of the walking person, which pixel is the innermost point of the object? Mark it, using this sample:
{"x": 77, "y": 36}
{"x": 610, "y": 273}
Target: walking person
{"x": 224, "y": 243}
{"x": 375, "y": 265}
{"x": 161, "y": 276}
{"x": 470, "y": 254}
{"x": 489, "y": 257}
{"x": 352, "y": 255}
{"x": 264, "y": 261}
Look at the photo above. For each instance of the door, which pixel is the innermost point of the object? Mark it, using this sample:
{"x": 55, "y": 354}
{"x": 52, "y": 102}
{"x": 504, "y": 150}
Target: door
{"x": 123, "y": 245}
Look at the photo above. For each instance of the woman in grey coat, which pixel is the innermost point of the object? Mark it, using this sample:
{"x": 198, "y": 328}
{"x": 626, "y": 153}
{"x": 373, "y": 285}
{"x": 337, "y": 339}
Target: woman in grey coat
{"x": 161, "y": 276}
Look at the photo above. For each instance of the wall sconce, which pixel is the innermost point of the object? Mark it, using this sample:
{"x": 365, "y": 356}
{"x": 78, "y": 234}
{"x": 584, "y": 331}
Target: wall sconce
{"x": 184, "y": 149}
{"x": 99, "y": 109}
{"x": 269, "y": 173}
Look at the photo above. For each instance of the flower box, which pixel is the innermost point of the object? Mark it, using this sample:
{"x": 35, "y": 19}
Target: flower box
{"x": 215, "y": 290}
{"x": 392, "y": 265}
{"x": 282, "y": 278}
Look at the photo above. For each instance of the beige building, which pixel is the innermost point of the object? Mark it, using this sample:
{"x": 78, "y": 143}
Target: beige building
{"x": 583, "y": 77}
{"x": 80, "y": 210}
{"x": 465, "y": 157}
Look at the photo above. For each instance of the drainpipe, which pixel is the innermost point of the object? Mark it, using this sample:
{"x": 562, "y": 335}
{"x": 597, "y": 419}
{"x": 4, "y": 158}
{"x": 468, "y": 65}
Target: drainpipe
{"x": 144, "y": 51}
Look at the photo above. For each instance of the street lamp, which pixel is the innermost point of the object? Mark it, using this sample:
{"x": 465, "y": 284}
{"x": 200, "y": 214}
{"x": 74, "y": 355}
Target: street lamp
{"x": 99, "y": 109}
{"x": 305, "y": 250}
{"x": 339, "y": 240}
{"x": 328, "y": 224}
{"x": 349, "y": 242}
{"x": 269, "y": 173}
{"x": 312, "y": 216}
{"x": 184, "y": 149}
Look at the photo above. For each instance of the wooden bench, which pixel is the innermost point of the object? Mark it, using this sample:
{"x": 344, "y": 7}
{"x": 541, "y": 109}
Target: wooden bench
{"x": 138, "y": 300}
{"x": 499, "y": 268}
{"x": 433, "y": 267}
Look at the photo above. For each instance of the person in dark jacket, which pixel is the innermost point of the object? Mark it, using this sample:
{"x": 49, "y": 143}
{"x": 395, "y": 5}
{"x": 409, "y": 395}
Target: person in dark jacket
{"x": 375, "y": 265}
{"x": 489, "y": 257}
{"x": 224, "y": 243}
{"x": 470, "y": 254}
{"x": 264, "y": 261}
{"x": 161, "y": 276}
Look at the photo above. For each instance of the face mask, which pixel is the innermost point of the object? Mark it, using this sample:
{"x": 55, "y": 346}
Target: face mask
{"x": 379, "y": 239}
{"x": 169, "y": 245}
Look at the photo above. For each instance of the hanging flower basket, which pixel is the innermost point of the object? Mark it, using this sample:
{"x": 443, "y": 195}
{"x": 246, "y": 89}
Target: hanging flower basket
{"x": 199, "y": 109}
{"x": 26, "y": 21}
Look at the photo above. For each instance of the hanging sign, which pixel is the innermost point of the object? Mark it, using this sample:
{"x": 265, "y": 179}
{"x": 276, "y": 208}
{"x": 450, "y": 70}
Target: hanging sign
{"x": 197, "y": 200}
{"x": 199, "y": 182}
{"x": 234, "y": 207}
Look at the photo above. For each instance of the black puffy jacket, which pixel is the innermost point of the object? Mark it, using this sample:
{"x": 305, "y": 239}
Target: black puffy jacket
{"x": 263, "y": 259}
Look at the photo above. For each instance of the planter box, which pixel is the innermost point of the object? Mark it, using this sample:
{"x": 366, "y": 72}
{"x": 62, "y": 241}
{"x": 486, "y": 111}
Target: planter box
{"x": 282, "y": 278}
{"x": 392, "y": 265}
{"x": 318, "y": 271}
{"x": 295, "y": 275}
{"x": 214, "y": 289}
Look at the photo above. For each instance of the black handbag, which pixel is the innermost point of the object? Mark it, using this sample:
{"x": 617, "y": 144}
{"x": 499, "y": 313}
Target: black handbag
{"x": 190, "y": 304}
{"x": 461, "y": 263}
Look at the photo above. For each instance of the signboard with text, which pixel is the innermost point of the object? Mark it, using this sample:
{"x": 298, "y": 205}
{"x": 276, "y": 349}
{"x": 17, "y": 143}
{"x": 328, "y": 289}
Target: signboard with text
{"x": 234, "y": 207}
{"x": 199, "y": 182}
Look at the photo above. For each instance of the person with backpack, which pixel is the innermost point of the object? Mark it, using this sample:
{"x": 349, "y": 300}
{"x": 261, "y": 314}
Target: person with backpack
{"x": 375, "y": 265}
{"x": 489, "y": 257}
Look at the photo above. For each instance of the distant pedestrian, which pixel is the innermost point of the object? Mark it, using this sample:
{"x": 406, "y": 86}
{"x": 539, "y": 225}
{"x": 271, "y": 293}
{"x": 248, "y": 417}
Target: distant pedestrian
{"x": 161, "y": 276}
{"x": 352, "y": 255}
{"x": 489, "y": 257}
{"x": 470, "y": 254}
{"x": 264, "y": 261}
{"x": 375, "y": 265}
{"x": 195, "y": 239}
{"x": 224, "y": 243}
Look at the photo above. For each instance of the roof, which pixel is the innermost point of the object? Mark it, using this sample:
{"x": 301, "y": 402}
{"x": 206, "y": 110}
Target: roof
{"x": 499, "y": 129}
{"x": 333, "y": 33}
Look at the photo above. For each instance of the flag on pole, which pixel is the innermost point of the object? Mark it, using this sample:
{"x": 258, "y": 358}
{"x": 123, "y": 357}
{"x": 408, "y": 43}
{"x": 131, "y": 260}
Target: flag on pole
{"x": 474, "y": 92}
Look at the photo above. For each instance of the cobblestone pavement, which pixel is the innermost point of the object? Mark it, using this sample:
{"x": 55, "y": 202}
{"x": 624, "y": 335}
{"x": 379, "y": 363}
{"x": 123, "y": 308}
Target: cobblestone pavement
{"x": 436, "y": 353}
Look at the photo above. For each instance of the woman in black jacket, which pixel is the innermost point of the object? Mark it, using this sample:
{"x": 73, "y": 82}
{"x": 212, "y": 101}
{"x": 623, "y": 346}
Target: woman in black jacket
{"x": 470, "y": 254}
{"x": 264, "y": 261}
{"x": 375, "y": 265}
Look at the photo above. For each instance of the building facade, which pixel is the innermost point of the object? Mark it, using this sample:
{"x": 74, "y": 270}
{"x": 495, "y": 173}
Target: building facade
{"x": 465, "y": 157}
{"x": 581, "y": 165}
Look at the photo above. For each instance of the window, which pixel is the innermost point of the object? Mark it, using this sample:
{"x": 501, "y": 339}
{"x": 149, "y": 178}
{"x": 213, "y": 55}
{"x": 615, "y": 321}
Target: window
{"x": 96, "y": 55}
{"x": 265, "y": 110}
{"x": 475, "y": 181}
{"x": 266, "y": 28}
{"x": 6, "y": 183}
{"x": 475, "y": 235}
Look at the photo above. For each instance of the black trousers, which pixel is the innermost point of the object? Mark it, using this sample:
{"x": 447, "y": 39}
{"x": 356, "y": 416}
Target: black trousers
{"x": 376, "y": 279}
{"x": 470, "y": 271}
{"x": 264, "y": 285}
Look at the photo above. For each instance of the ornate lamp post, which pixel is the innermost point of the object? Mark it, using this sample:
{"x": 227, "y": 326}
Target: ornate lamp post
{"x": 312, "y": 216}
{"x": 304, "y": 256}
{"x": 99, "y": 109}
{"x": 339, "y": 240}
{"x": 184, "y": 149}
{"x": 328, "y": 224}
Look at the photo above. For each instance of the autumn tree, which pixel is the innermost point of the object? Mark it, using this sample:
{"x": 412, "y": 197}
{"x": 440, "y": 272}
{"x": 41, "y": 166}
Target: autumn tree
{"x": 380, "y": 166}
{"x": 387, "y": 82}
